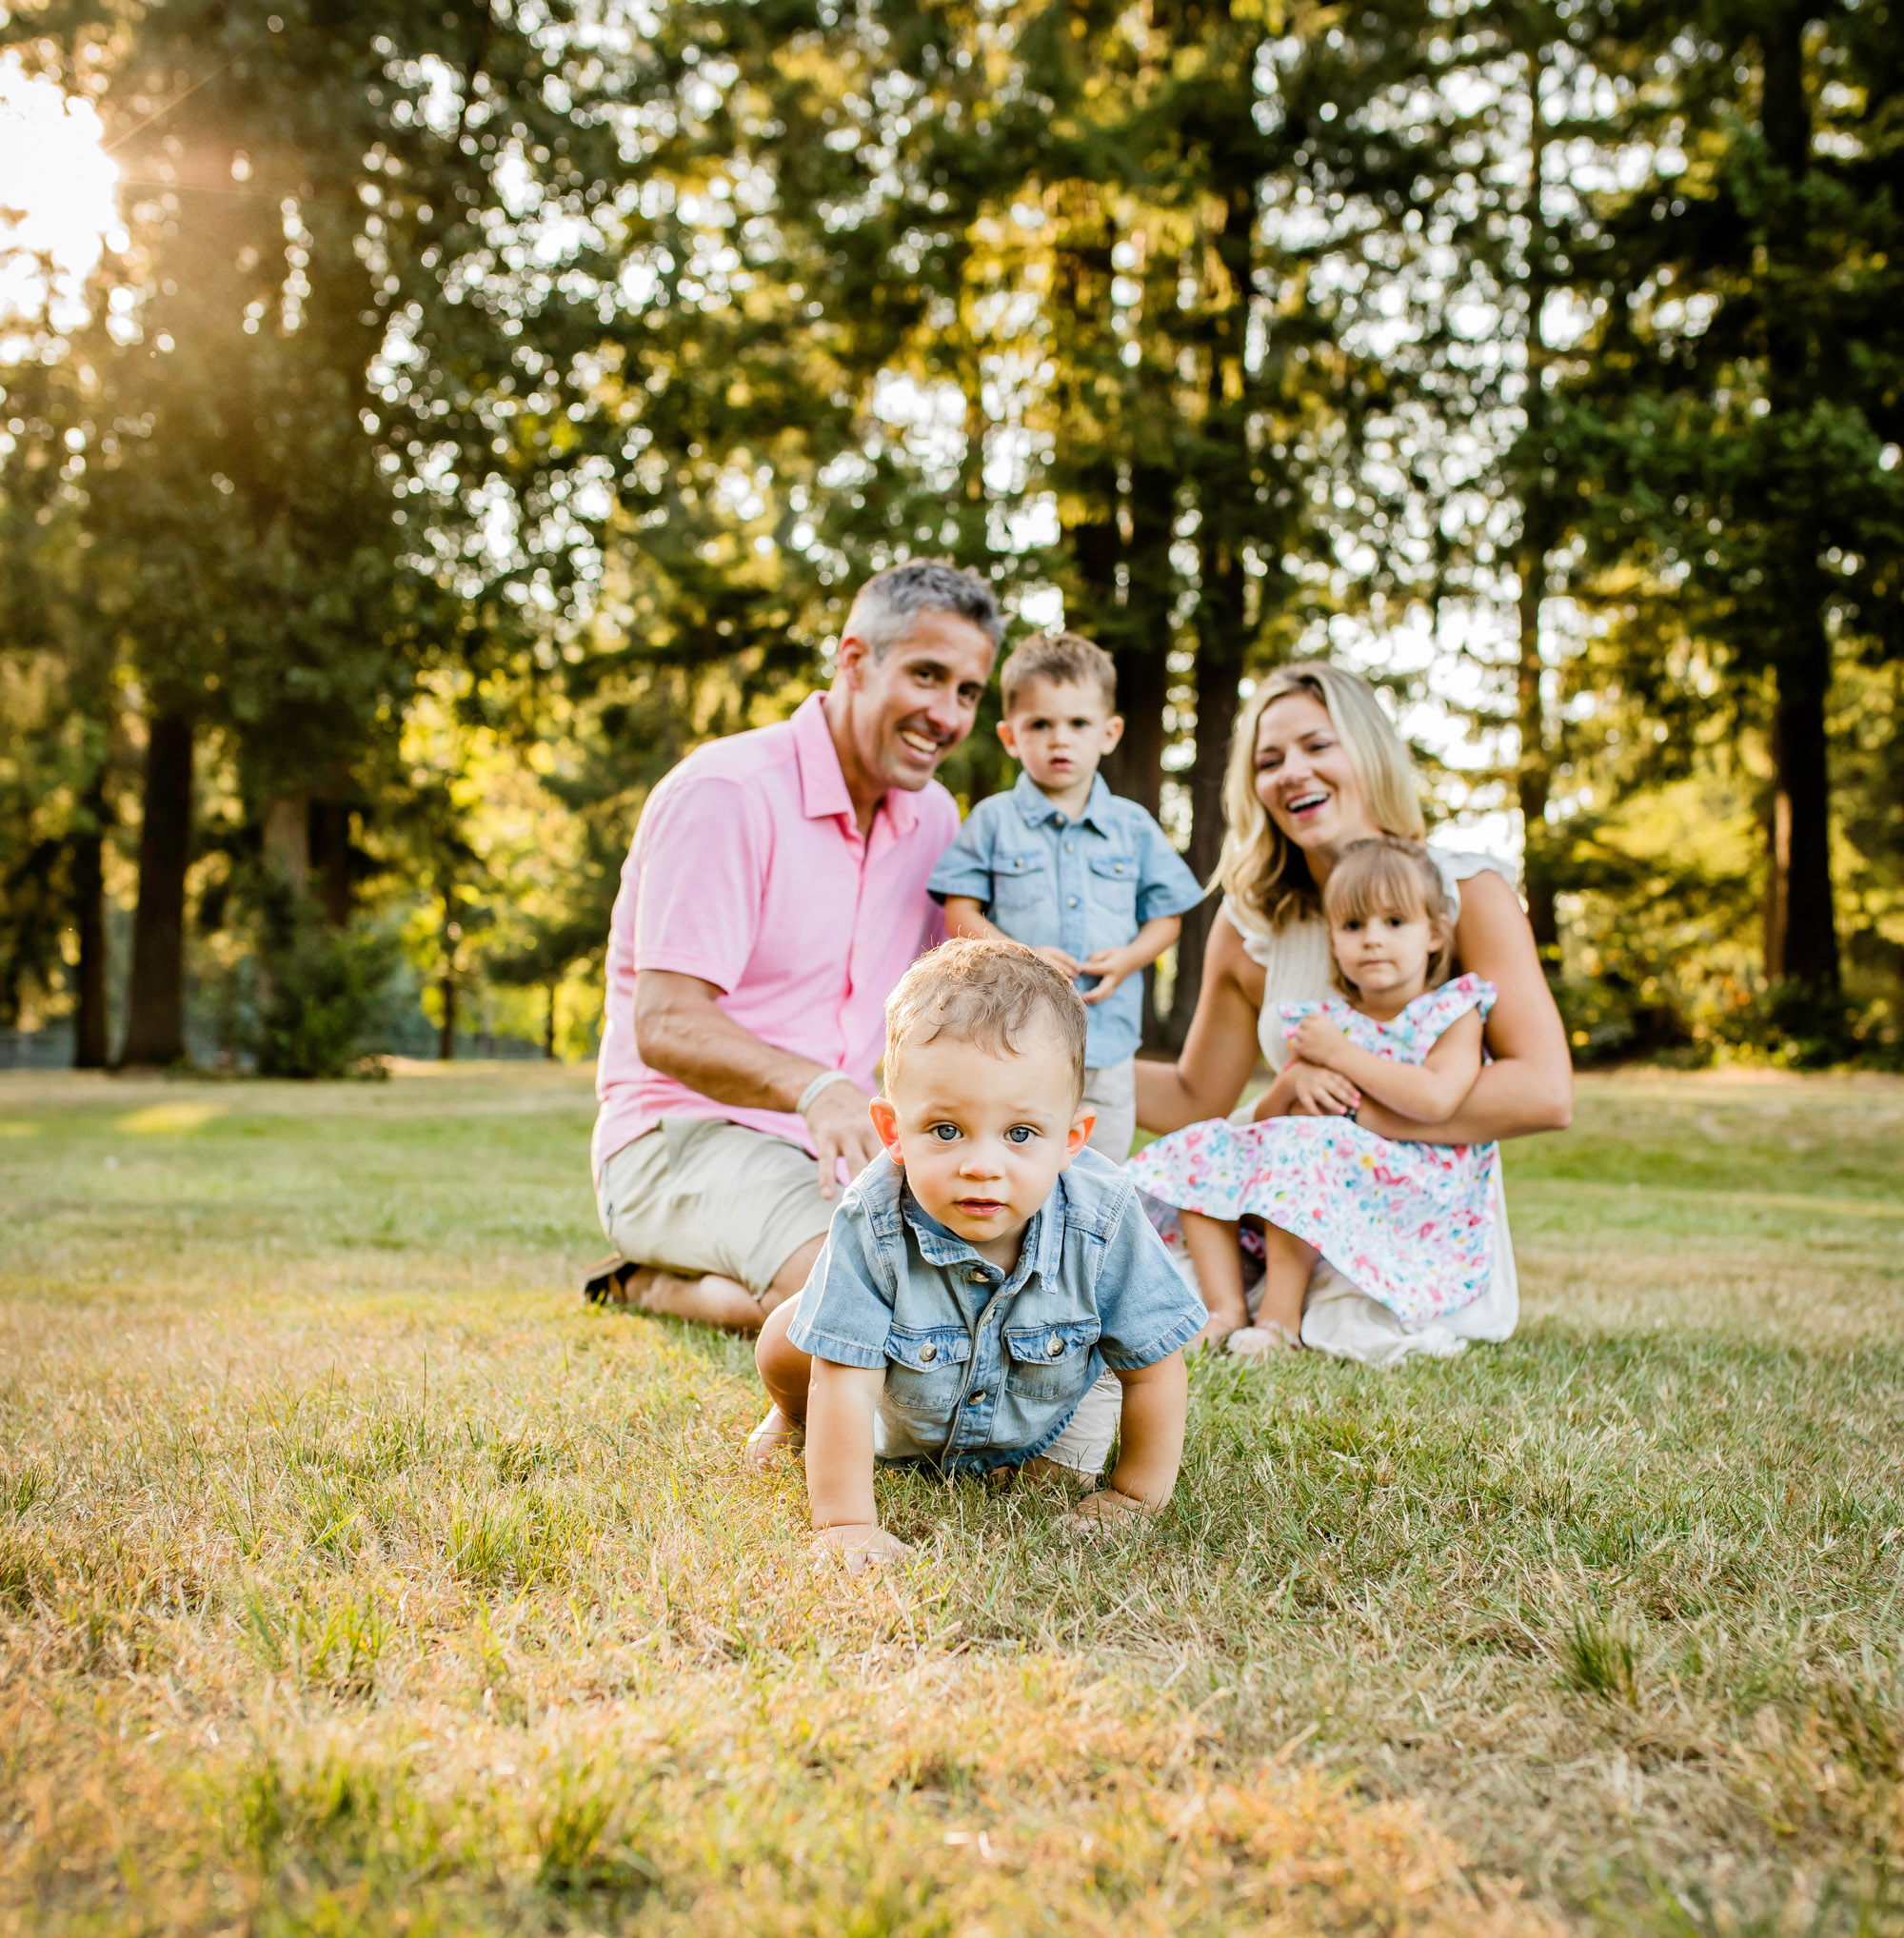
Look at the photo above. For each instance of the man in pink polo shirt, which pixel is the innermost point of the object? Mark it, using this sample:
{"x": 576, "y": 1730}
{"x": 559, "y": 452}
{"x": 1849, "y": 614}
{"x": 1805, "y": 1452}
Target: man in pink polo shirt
{"x": 774, "y": 896}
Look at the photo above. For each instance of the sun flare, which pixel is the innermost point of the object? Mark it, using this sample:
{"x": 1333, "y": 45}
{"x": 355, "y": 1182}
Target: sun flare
{"x": 57, "y": 196}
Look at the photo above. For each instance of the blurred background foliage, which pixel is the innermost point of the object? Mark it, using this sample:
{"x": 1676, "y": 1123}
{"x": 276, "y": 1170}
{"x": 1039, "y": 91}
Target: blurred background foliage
{"x": 471, "y": 408}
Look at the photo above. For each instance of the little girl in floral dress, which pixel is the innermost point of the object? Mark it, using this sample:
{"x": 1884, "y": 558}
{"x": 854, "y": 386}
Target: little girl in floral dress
{"x": 1410, "y": 1223}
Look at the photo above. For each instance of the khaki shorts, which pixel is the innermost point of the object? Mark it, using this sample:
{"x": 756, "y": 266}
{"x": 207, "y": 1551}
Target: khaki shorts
{"x": 698, "y": 1195}
{"x": 1112, "y": 1091}
{"x": 1085, "y": 1443}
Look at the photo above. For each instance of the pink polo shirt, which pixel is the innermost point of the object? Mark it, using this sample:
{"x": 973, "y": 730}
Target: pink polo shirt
{"x": 748, "y": 871}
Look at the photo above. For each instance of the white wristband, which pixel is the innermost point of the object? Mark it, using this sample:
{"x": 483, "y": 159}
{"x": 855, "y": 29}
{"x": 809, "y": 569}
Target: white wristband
{"x": 819, "y": 1084}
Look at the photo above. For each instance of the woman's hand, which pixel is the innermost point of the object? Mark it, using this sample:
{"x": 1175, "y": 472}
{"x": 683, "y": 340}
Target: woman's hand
{"x": 1317, "y": 1093}
{"x": 1318, "y": 1041}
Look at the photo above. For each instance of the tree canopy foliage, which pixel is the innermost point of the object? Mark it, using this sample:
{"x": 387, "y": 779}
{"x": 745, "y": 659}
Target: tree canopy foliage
{"x": 479, "y": 406}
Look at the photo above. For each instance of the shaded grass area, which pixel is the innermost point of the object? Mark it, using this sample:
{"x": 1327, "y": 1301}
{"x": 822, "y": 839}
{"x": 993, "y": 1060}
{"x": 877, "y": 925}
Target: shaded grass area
{"x": 352, "y": 1576}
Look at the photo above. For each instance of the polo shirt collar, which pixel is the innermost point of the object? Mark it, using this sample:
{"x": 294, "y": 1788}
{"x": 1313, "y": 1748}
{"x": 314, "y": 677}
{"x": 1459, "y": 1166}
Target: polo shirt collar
{"x": 1030, "y": 801}
{"x": 823, "y": 786}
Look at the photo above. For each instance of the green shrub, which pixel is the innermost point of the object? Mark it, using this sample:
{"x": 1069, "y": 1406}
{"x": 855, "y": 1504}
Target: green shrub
{"x": 328, "y": 1001}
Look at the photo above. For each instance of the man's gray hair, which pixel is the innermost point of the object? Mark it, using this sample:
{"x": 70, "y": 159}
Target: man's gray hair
{"x": 889, "y": 604}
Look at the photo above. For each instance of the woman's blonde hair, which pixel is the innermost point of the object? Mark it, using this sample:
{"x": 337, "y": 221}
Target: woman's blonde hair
{"x": 1387, "y": 877}
{"x": 1262, "y": 872}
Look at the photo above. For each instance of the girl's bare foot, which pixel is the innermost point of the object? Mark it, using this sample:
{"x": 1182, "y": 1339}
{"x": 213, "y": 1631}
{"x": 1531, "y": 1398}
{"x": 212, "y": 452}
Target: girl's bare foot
{"x": 1251, "y": 1342}
{"x": 1218, "y": 1329}
{"x": 775, "y": 1436}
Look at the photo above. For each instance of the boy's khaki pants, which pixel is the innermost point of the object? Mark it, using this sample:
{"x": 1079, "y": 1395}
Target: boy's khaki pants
{"x": 1112, "y": 1092}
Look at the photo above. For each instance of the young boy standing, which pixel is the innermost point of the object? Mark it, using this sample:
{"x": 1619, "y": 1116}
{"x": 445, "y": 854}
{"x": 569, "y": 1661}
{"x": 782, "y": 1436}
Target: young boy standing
{"x": 1068, "y": 868}
{"x": 977, "y": 1280}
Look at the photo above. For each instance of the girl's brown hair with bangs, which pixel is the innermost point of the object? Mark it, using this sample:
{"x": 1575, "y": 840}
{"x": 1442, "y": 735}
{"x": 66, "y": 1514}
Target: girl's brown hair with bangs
{"x": 1388, "y": 876}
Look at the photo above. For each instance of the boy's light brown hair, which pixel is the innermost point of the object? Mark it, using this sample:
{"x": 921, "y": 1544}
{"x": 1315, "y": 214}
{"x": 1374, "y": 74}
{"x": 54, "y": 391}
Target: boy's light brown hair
{"x": 1061, "y": 657}
{"x": 993, "y": 995}
{"x": 1388, "y": 876}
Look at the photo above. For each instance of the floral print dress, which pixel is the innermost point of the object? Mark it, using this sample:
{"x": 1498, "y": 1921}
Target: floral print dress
{"x": 1411, "y": 1224}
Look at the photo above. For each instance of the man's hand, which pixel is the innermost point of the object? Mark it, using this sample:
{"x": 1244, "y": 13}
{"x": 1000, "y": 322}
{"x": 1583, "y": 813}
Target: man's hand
{"x": 1067, "y": 966}
{"x": 842, "y": 1129}
{"x": 1315, "y": 1093}
{"x": 1318, "y": 1041}
{"x": 857, "y": 1546}
{"x": 1106, "y": 1510}
{"x": 1111, "y": 966}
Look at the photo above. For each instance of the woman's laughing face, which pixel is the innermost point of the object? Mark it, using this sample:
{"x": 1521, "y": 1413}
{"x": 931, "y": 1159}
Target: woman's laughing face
{"x": 1306, "y": 778}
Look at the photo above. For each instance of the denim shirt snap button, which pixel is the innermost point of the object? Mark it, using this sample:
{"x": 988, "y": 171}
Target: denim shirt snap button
{"x": 928, "y": 1351}
{"x": 1054, "y": 1346}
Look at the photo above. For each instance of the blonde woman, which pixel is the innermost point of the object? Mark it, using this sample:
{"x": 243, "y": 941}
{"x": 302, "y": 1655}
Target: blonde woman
{"x": 1316, "y": 764}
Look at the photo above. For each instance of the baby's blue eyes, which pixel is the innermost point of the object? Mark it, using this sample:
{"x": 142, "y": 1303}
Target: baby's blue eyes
{"x": 1020, "y": 1134}
{"x": 944, "y": 1133}
{"x": 947, "y": 1134}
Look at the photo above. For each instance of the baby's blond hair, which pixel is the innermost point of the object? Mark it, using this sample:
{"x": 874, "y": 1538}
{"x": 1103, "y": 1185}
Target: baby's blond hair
{"x": 990, "y": 993}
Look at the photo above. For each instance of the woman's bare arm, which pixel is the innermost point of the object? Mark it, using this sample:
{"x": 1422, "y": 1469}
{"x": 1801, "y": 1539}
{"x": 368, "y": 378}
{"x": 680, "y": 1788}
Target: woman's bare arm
{"x": 1220, "y": 1053}
{"x": 1530, "y": 1084}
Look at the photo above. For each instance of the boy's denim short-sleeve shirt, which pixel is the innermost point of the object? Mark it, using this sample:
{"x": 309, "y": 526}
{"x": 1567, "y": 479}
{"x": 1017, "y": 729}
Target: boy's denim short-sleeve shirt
{"x": 1007, "y": 1356}
{"x": 1077, "y": 885}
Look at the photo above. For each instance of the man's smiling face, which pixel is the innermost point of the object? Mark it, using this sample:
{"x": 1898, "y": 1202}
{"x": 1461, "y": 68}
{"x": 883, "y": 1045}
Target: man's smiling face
{"x": 909, "y": 706}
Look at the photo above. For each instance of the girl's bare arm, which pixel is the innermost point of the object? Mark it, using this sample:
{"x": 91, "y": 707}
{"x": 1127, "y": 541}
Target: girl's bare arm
{"x": 1425, "y": 1093}
{"x": 1530, "y": 1084}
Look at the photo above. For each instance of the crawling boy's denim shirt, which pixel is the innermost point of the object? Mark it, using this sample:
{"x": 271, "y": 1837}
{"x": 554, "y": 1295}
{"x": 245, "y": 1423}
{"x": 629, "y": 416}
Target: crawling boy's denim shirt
{"x": 984, "y": 1369}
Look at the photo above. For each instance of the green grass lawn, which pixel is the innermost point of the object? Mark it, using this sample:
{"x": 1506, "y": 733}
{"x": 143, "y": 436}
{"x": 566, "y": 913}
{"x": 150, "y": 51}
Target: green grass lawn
{"x": 354, "y": 1577}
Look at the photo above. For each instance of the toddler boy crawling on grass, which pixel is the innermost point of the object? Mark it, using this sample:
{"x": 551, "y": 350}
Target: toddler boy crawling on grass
{"x": 977, "y": 1278}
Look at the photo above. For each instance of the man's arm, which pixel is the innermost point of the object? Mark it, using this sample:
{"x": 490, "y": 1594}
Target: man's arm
{"x": 683, "y": 1032}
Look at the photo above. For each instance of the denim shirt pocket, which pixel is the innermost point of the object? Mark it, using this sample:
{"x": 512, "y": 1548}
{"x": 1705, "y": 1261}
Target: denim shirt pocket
{"x": 1114, "y": 888}
{"x": 1046, "y": 1365}
{"x": 1020, "y": 882}
{"x": 925, "y": 1370}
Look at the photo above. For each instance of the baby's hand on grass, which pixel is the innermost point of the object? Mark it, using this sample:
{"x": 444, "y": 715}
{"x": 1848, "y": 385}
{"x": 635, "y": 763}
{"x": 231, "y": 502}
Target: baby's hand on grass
{"x": 855, "y": 1546}
{"x": 1104, "y": 1510}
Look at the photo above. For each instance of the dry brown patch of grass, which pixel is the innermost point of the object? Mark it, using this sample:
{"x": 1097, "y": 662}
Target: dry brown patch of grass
{"x": 352, "y": 1576}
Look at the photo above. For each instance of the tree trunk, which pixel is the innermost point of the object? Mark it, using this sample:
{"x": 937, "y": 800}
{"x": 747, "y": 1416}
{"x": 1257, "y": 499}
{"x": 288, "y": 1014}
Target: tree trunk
{"x": 549, "y": 1027}
{"x": 156, "y": 1012}
{"x": 1534, "y": 778}
{"x": 1142, "y": 641}
{"x": 91, "y": 1022}
{"x": 452, "y": 932}
{"x": 287, "y": 840}
{"x": 1219, "y": 667}
{"x": 91, "y": 1031}
{"x": 329, "y": 842}
{"x": 1801, "y": 942}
